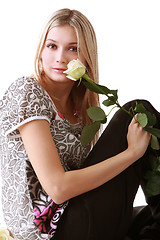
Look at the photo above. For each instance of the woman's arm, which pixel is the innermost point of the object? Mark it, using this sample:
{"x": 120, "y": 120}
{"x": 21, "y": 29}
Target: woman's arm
{"x": 61, "y": 185}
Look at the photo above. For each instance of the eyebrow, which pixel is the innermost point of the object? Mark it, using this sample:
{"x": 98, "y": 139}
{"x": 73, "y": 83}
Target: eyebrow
{"x": 52, "y": 40}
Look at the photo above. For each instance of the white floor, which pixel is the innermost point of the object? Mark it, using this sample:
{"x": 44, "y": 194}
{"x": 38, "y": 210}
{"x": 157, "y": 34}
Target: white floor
{"x": 140, "y": 199}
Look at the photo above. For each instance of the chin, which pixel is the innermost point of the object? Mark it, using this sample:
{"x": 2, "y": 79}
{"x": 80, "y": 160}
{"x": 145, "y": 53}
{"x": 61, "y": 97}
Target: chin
{"x": 61, "y": 80}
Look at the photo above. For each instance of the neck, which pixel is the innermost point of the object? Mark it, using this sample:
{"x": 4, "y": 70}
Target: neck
{"x": 60, "y": 93}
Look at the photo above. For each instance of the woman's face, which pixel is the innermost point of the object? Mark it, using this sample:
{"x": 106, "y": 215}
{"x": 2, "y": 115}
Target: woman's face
{"x": 60, "y": 48}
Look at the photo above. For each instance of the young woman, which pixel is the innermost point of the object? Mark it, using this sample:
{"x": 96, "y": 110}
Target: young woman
{"x": 53, "y": 187}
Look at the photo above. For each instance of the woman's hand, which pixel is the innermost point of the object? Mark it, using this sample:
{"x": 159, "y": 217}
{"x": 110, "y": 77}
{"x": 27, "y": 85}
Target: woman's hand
{"x": 138, "y": 139}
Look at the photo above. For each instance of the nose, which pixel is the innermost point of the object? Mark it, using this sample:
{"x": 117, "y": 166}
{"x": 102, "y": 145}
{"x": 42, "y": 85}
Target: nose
{"x": 60, "y": 56}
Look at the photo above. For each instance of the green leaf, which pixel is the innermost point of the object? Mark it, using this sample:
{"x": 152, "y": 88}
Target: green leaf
{"x": 148, "y": 174}
{"x": 153, "y": 186}
{"x": 108, "y": 102}
{"x": 96, "y": 113}
{"x": 151, "y": 119}
{"x": 96, "y": 87}
{"x": 155, "y": 143}
{"x": 153, "y": 131}
{"x": 153, "y": 162}
{"x": 115, "y": 94}
{"x": 158, "y": 168}
{"x": 89, "y": 132}
{"x": 104, "y": 120}
{"x": 140, "y": 108}
{"x": 142, "y": 119}
{"x": 100, "y": 89}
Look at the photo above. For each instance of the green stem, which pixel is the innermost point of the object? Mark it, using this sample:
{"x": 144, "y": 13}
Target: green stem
{"x": 128, "y": 112}
{"x": 88, "y": 79}
{"x": 110, "y": 111}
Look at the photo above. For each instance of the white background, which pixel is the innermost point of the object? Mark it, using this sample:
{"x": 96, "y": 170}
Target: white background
{"x": 128, "y": 34}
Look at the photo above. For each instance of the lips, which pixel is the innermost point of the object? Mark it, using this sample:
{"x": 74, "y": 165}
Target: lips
{"x": 59, "y": 70}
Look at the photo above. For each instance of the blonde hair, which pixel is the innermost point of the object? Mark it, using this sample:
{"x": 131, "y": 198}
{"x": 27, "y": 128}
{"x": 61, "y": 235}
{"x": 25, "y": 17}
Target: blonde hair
{"x": 82, "y": 97}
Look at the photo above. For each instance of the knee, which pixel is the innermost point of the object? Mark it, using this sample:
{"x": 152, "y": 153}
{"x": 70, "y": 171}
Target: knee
{"x": 133, "y": 103}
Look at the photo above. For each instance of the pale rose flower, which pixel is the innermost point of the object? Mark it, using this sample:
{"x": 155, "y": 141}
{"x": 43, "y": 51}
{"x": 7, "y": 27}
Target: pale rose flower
{"x": 75, "y": 70}
{"x": 4, "y": 234}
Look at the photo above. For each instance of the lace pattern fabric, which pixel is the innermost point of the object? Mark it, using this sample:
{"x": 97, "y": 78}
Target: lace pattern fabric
{"x": 24, "y": 200}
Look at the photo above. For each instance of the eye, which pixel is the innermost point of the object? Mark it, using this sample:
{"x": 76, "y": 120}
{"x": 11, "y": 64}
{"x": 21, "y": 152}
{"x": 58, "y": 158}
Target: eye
{"x": 51, "y": 46}
{"x": 73, "y": 49}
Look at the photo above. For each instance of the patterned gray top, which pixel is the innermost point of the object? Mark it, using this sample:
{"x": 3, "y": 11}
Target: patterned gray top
{"x": 24, "y": 101}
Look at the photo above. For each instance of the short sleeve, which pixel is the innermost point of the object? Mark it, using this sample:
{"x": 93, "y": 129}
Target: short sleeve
{"x": 24, "y": 101}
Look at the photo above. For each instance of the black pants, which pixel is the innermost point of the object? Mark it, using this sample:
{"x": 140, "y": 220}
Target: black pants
{"x": 105, "y": 213}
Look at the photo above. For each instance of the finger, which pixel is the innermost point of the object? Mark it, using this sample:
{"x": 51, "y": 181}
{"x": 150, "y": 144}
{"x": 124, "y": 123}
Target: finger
{"x": 134, "y": 120}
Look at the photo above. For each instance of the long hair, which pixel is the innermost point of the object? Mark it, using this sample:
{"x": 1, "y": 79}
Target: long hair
{"x": 87, "y": 43}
